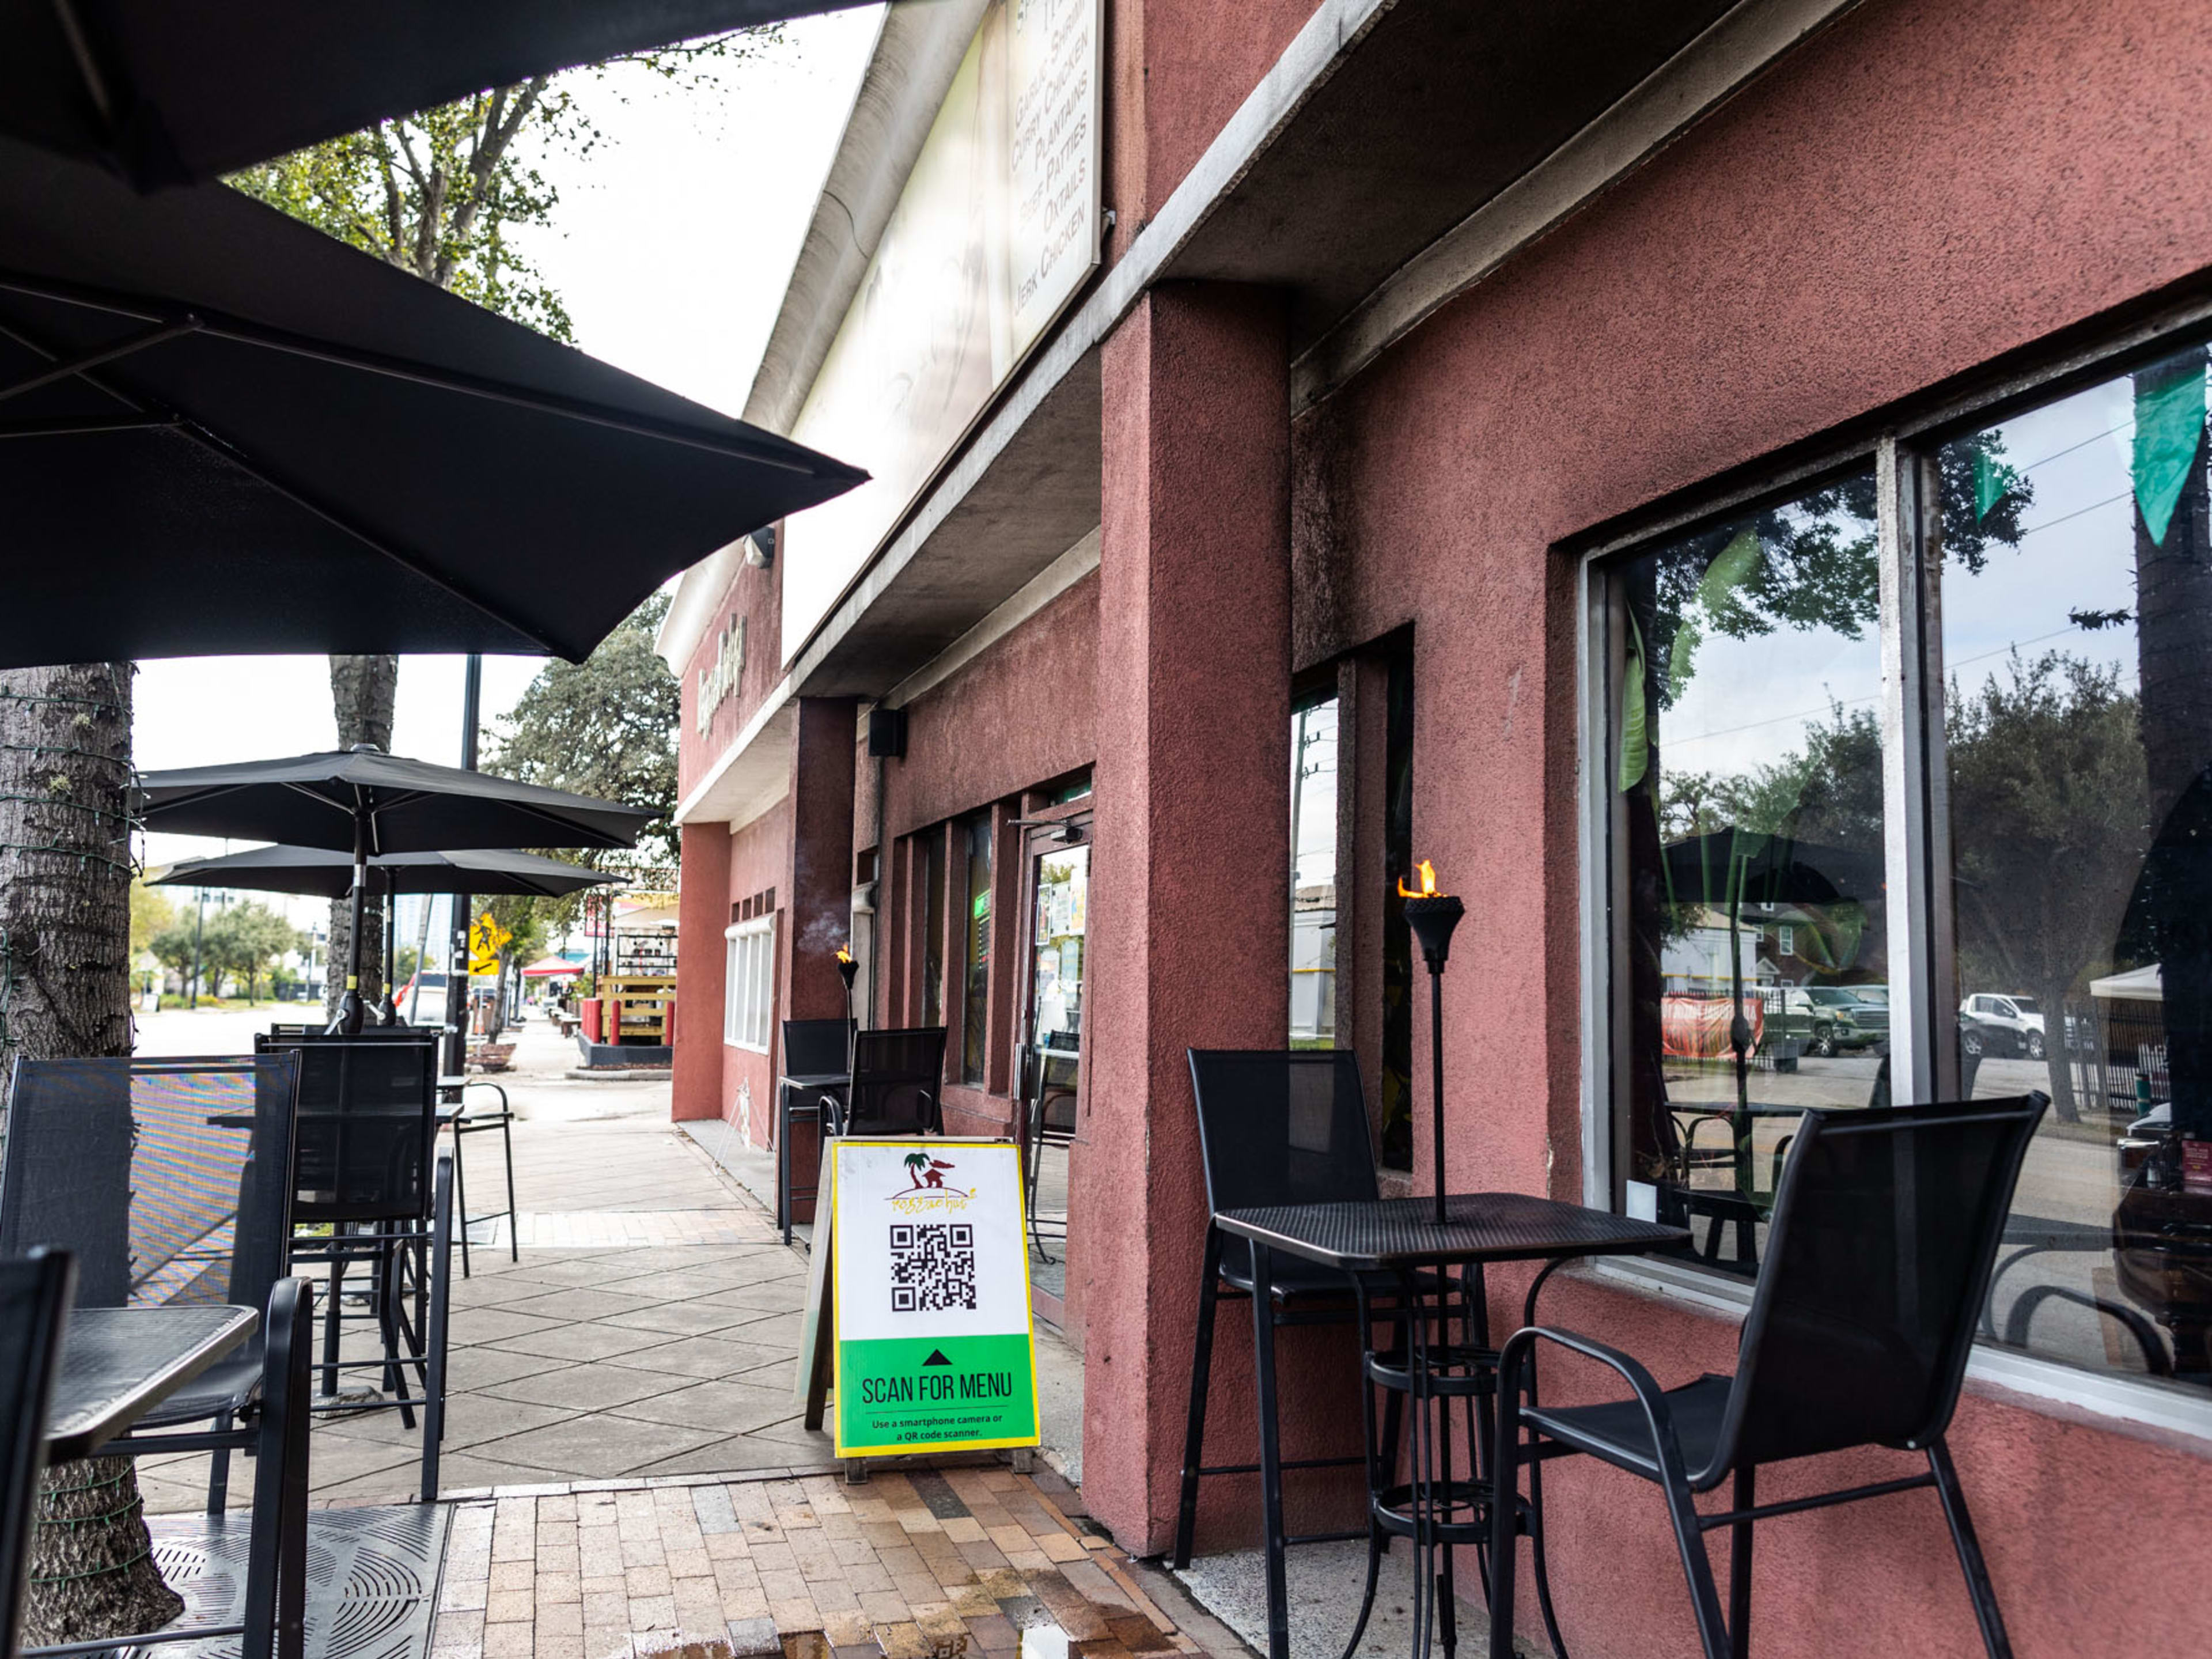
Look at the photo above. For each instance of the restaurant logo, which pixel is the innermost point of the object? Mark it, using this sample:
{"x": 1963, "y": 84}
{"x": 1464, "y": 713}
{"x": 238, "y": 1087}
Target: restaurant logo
{"x": 718, "y": 681}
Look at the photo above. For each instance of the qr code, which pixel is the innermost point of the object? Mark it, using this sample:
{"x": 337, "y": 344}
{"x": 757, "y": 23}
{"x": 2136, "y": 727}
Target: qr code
{"x": 932, "y": 1267}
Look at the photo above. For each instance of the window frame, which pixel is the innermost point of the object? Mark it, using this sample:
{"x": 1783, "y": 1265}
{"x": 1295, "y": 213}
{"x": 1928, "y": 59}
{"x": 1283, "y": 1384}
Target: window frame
{"x": 1916, "y": 815}
{"x": 738, "y": 940}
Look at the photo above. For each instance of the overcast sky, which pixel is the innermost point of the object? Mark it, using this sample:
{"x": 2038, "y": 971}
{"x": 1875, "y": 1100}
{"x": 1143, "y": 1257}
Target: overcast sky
{"x": 674, "y": 242}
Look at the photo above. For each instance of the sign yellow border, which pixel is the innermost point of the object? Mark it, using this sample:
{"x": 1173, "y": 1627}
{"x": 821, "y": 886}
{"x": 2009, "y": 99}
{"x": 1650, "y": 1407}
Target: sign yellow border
{"x": 838, "y": 1322}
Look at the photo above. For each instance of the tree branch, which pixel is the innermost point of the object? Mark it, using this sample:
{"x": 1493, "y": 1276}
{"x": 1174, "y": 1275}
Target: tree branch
{"x": 494, "y": 137}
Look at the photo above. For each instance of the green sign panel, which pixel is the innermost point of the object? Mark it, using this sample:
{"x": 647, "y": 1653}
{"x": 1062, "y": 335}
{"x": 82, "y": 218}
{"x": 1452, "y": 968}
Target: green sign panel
{"x": 935, "y": 1350}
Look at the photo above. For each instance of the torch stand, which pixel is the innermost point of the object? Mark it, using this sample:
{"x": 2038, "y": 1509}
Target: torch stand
{"x": 1432, "y": 916}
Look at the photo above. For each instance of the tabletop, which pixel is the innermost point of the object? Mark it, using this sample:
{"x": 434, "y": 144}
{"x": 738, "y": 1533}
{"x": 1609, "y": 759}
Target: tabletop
{"x": 1398, "y": 1232}
{"x": 814, "y": 1080}
{"x": 118, "y": 1363}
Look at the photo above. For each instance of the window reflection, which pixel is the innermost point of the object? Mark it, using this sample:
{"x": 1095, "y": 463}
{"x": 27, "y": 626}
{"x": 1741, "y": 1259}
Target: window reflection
{"x": 1313, "y": 875}
{"x": 2076, "y": 606}
{"x": 1745, "y": 775}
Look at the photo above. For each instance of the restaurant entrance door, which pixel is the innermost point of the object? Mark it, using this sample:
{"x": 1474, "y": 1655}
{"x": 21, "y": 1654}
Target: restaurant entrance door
{"x": 1057, "y": 877}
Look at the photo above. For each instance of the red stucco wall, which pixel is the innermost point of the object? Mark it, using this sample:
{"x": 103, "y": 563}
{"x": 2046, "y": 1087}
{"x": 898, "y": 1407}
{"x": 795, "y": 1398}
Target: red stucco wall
{"x": 1176, "y": 70}
{"x": 757, "y": 596}
{"x": 1019, "y": 714}
{"x": 1923, "y": 189}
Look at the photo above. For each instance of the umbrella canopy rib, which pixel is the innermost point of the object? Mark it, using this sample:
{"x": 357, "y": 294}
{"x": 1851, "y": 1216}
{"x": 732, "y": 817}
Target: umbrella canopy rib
{"x": 239, "y": 332}
{"x": 214, "y": 443}
{"x": 123, "y": 348}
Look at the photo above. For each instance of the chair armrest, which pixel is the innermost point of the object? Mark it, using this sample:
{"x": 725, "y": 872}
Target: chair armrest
{"x": 1657, "y": 1416}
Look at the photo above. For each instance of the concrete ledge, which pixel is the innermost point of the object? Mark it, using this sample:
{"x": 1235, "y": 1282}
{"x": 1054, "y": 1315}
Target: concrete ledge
{"x": 624, "y": 1054}
{"x": 618, "y": 1074}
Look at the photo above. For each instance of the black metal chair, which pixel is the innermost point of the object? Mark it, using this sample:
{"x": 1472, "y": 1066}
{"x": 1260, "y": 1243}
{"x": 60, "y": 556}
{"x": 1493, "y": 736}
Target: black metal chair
{"x": 369, "y": 1180}
{"x": 1877, "y": 1262}
{"x": 1276, "y": 1126}
{"x": 35, "y": 1293}
{"x": 169, "y": 1181}
{"x": 1051, "y": 1084}
{"x": 893, "y": 1086}
{"x": 455, "y": 1114}
{"x": 812, "y": 1048}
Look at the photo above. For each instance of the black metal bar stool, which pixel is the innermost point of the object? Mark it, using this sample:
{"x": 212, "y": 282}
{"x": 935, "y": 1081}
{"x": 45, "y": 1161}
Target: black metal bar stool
{"x": 454, "y": 1114}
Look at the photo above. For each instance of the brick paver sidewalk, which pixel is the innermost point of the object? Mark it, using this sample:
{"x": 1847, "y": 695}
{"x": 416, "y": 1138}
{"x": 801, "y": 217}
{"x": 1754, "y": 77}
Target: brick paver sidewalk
{"x": 907, "y": 1566}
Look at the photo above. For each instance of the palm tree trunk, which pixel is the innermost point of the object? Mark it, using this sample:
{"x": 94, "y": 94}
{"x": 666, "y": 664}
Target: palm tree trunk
{"x": 65, "y": 993}
{"x": 364, "y": 693}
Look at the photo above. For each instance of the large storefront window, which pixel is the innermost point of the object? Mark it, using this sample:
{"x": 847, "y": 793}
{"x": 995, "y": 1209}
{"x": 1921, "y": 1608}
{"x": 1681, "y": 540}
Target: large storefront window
{"x": 975, "y": 1014}
{"x": 2076, "y": 606}
{"x": 1747, "y": 806}
{"x": 1313, "y": 874}
{"x": 2052, "y": 603}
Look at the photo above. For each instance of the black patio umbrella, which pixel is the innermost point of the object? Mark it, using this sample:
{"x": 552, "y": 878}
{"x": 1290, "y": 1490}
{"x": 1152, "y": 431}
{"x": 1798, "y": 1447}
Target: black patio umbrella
{"x": 373, "y": 803}
{"x": 222, "y": 431}
{"x": 320, "y": 874}
{"x": 167, "y": 91}
{"x": 1728, "y": 869}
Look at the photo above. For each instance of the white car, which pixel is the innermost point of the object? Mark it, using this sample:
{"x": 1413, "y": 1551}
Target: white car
{"x": 2002, "y": 1023}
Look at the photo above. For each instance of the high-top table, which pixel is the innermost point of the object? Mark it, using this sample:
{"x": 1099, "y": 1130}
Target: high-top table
{"x": 1401, "y": 1237}
{"x": 118, "y": 1363}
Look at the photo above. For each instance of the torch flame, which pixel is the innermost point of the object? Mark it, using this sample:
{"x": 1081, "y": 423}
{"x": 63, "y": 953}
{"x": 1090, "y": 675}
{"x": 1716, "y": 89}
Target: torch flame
{"x": 843, "y": 955}
{"x": 1428, "y": 887}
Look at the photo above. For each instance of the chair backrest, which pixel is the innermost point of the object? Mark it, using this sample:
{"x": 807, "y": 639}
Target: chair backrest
{"x": 896, "y": 1077}
{"x": 1886, "y": 1224}
{"x": 168, "y": 1180}
{"x": 398, "y": 1033}
{"x": 1056, "y": 1075}
{"x": 1284, "y": 1125}
{"x": 35, "y": 1298}
{"x": 815, "y": 1047}
{"x": 368, "y": 1126}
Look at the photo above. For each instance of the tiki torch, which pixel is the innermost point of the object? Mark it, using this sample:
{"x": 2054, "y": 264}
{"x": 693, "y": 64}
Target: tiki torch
{"x": 1432, "y": 916}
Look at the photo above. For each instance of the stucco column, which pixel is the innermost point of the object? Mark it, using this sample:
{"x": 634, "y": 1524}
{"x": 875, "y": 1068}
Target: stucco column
{"x": 1189, "y": 898}
{"x": 703, "y": 911}
{"x": 818, "y": 899}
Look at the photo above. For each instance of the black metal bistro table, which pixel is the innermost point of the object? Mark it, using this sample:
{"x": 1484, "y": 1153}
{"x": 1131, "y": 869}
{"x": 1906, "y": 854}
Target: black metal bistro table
{"x": 118, "y": 1363}
{"x": 1401, "y": 1237}
{"x": 799, "y": 1096}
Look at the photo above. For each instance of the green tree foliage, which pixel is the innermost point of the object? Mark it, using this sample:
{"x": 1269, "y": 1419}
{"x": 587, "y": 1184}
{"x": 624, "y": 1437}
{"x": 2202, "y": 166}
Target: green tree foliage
{"x": 440, "y": 193}
{"x": 605, "y": 727}
{"x": 244, "y": 941}
{"x": 152, "y": 912}
{"x": 2049, "y": 802}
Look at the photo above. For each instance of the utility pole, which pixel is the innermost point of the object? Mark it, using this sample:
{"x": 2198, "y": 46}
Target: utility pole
{"x": 199, "y": 929}
{"x": 457, "y": 964}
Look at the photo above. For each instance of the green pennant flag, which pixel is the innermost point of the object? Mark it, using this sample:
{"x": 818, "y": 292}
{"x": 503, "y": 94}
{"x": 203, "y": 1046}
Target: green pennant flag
{"x": 2169, "y": 423}
{"x": 1730, "y": 568}
{"x": 1993, "y": 481}
{"x": 1635, "y": 730}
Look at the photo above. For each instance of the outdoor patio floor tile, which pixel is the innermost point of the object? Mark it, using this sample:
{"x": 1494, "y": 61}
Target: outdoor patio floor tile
{"x": 703, "y": 1356}
{"x": 680, "y": 1318}
{"x": 586, "y": 1388}
{"x": 579, "y": 1342}
{"x": 596, "y": 1447}
{"x": 732, "y": 1406}
{"x": 578, "y": 1302}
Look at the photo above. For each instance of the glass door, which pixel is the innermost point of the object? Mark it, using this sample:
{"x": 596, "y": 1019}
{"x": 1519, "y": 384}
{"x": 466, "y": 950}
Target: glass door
{"x": 1059, "y": 881}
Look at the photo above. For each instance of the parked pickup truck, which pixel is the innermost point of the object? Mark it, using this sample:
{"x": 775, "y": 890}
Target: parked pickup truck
{"x": 1826, "y": 1018}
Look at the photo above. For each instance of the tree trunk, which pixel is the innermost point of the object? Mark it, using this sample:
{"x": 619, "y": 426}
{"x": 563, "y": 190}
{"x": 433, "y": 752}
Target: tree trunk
{"x": 364, "y": 692}
{"x": 65, "y": 993}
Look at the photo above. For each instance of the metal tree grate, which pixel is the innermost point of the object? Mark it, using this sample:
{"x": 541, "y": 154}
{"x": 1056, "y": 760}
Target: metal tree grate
{"x": 372, "y": 1579}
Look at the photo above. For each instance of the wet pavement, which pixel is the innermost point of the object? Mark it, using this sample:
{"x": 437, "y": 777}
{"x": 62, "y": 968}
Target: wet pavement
{"x": 942, "y": 1565}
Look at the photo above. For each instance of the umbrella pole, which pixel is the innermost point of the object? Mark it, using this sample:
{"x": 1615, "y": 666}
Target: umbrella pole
{"x": 349, "y": 1006}
{"x": 387, "y": 1005}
